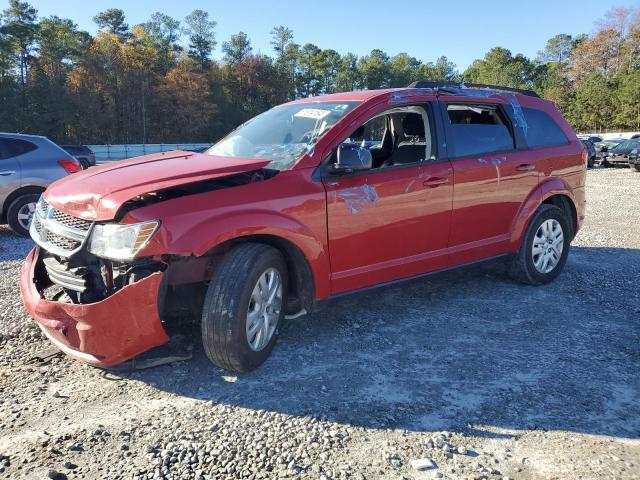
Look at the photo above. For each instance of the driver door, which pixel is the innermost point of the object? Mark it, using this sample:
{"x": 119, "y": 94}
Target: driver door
{"x": 389, "y": 222}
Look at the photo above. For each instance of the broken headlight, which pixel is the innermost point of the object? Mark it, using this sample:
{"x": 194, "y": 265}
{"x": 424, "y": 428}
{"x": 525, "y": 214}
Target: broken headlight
{"x": 119, "y": 241}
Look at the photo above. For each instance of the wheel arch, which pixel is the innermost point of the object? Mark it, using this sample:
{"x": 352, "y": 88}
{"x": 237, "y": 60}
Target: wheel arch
{"x": 553, "y": 191}
{"x": 568, "y": 206}
{"x": 302, "y": 285}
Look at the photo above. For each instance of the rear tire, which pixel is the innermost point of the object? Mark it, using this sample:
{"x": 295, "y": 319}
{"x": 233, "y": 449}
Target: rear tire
{"x": 20, "y": 213}
{"x": 231, "y": 314}
{"x": 635, "y": 167}
{"x": 551, "y": 252}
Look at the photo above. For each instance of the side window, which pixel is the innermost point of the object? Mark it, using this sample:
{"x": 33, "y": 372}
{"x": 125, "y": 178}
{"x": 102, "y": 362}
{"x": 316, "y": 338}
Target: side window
{"x": 12, "y": 147}
{"x": 477, "y": 129}
{"x": 542, "y": 131}
{"x": 4, "y": 149}
{"x": 398, "y": 136}
{"x": 371, "y": 133}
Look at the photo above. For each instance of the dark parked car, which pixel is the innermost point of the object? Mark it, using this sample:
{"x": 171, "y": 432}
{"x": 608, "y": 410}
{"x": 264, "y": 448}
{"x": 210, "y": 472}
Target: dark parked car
{"x": 285, "y": 213}
{"x": 84, "y": 154}
{"x": 28, "y": 164}
{"x": 591, "y": 151}
{"x": 620, "y": 154}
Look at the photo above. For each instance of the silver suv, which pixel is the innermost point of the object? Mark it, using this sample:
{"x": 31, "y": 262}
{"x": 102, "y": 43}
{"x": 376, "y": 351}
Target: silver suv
{"x": 28, "y": 164}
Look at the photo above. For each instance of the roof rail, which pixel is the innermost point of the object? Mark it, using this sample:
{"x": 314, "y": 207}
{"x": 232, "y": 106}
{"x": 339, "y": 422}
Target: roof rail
{"x": 444, "y": 85}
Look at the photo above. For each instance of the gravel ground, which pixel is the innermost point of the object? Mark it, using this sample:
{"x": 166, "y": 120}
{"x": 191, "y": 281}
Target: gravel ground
{"x": 483, "y": 377}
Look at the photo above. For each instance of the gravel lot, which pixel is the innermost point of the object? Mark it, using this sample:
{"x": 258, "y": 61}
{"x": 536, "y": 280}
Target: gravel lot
{"x": 484, "y": 377}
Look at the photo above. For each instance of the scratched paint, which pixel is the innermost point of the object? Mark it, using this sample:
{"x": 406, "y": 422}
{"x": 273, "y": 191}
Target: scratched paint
{"x": 398, "y": 97}
{"x": 357, "y": 198}
{"x": 409, "y": 185}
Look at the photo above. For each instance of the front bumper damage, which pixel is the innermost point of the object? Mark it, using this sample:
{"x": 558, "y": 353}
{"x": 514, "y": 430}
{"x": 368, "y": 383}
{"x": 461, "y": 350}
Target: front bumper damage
{"x": 103, "y": 333}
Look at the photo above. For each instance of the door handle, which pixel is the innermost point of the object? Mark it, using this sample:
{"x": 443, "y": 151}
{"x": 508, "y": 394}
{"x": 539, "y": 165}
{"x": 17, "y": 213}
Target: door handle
{"x": 6, "y": 173}
{"x": 525, "y": 167}
{"x": 435, "y": 181}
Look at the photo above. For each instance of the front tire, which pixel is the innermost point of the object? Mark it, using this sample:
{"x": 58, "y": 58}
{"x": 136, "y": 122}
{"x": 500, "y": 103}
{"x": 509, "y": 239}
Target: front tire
{"x": 244, "y": 306}
{"x": 21, "y": 212}
{"x": 545, "y": 247}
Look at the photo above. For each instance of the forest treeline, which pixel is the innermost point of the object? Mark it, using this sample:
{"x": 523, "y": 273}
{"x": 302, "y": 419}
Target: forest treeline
{"x": 156, "y": 82}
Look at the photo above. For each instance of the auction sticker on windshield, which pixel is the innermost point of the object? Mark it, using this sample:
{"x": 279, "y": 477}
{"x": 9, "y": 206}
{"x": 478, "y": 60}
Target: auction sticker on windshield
{"x": 315, "y": 113}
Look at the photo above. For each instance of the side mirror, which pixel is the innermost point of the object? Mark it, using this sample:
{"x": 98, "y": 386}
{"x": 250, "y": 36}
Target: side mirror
{"x": 352, "y": 158}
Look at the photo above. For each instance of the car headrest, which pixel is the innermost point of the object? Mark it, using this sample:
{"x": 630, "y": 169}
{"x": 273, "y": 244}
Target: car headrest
{"x": 413, "y": 125}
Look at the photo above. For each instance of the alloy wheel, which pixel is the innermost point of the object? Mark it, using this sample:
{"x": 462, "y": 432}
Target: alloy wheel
{"x": 548, "y": 244}
{"x": 25, "y": 214}
{"x": 264, "y": 309}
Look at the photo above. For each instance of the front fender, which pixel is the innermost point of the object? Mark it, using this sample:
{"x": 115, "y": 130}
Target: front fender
{"x": 547, "y": 188}
{"x": 203, "y": 236}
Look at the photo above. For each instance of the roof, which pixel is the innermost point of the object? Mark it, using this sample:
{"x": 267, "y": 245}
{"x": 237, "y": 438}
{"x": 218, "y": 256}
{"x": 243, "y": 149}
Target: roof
{"x": 436, "y": 88}
{"x": 19, "y": 135}
{"x": 355, "y": 96}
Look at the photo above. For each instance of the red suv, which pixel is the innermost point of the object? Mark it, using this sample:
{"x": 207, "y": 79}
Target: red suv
{"x": 308, "y": 201}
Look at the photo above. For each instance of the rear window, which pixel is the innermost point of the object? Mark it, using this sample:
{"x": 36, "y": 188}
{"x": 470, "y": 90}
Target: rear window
{"x": 76, "y": 149}
{"x": 12, "y": 147}
{"x": 541, "y": 130}
{"x": 478, "y": 129}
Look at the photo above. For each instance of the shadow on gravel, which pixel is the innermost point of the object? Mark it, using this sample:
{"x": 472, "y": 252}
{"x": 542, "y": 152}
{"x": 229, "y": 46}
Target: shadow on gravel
{"x": 468, "y": 351}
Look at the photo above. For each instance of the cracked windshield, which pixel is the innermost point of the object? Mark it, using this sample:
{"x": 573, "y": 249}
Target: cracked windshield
{"x": 282, "y": 134}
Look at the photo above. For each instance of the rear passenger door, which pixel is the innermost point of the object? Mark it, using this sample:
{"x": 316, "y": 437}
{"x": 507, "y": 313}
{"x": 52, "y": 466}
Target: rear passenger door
{"x": 10, "y": 176}
{"x": 493, "y": 175}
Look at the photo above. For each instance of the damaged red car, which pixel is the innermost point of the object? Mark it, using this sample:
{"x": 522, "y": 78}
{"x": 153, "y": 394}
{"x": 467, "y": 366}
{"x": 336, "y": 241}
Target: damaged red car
{"x": 306, "y": 202}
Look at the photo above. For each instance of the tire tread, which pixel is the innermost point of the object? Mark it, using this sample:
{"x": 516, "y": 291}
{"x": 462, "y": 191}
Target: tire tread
{"x": 222, "y": 301}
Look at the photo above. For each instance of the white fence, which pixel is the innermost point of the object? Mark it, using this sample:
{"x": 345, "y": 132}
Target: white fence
{"x": 107, "y": 153}
{"x": 611, "y": 135}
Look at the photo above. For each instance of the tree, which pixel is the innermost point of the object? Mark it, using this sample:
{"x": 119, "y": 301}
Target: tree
{"x": 189, "y": 89}
{"x": 202, "y": 40}
{"x": 442, "y": 71}
{"x": 593, "y": 109}
{"x": 499, "y": 67}
{"x": 112, "y": 20}
{"x": 348, "y": 78}
{"x": 558, "y": 49}
{"x": 19, "y": 31}
{"x": 404, "y": 69}
{"x": 60, "y": 46}
{"x": 164, "y": 31}
{"x": 286, "y": 58}
{"x": 281, "y": 38}
{"x": 123, "y": 85}
{"x": 237, "y": 48}
{"x": 613, "y": 48}
{"x": 628, "y": 100}
{"x": 374, "y": 70}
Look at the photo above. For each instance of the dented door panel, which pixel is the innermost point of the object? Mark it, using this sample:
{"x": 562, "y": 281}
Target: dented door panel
{"x": 388, "y": 224}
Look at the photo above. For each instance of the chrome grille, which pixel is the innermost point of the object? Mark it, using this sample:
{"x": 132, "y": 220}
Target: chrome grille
{"x": 70, "y": 221}
{"x": 62, "y": 242}
{"x": 58, "y": 232}
{"x": 42, "y": 207}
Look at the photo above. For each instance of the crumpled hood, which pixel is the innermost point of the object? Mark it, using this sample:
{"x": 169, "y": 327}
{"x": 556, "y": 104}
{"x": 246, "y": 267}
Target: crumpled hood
{"x": 98, "y": 193}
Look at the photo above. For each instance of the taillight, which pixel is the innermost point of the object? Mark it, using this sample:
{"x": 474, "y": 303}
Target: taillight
{"x": 70, "y": 166}
{"x": 585, "y": 156}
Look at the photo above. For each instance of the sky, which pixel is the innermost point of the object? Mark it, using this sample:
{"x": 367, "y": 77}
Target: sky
{"x": 462, "y": 30}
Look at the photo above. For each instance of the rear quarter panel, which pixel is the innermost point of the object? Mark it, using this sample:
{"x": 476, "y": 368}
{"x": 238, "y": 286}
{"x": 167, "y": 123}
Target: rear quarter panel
{"x": 563, "y": 172}
{"x": 40, "y": 167}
